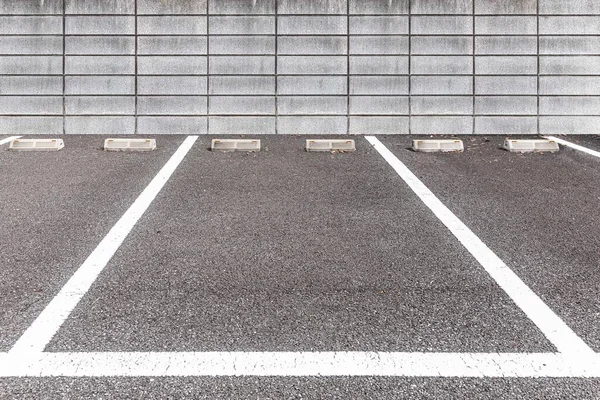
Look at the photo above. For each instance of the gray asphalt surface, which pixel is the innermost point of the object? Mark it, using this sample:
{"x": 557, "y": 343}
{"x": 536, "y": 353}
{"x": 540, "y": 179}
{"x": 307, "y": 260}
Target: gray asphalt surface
{"x": 538, "y": 212}
{"x": 285, "y": 250}
{"x": 56, "y": 207}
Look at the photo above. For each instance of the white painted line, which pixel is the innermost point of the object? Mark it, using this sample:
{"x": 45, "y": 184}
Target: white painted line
{"x": 41, "y": 331}
{"x": 574, "y": 146}
{"x": 298, "y": 364}
{"x": 8, "y": 139}
{"x": 554, "y": 328}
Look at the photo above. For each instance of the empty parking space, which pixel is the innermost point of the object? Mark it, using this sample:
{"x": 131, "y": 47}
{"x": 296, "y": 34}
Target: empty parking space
{"x": 538, "y": 212}
{"x": 285, "y": 250}
{"x": 56, "y": 206}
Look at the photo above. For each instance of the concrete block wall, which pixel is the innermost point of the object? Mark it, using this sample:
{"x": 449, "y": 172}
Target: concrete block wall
{"x": 300, "y": 67}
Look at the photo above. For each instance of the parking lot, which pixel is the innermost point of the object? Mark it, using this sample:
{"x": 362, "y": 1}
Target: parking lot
{"x": 381, "y": 273}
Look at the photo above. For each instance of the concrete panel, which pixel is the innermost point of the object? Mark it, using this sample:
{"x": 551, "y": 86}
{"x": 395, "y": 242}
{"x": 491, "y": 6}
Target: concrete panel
{"x": 312, "y": 65}
{"x": 43, "y": 65}
{"x": 442, "y": 125}
{"x": 172, "y": 45}
{"x": 161, "y": 105}
{"x": 316, "y": 105}
{"x": 312, "y": 25}
{"x": 505, "y": 7}
{"x": 15, "y": 25}
{"x": 441, "y": 85}
{"x": 31, "y": 125}
{"x": 570, "y": 85}
{"x": 565, "y": 65}
{"x": 30, "y": 85}
{"x": 379, "y": 105}
{"x": 242, "y": 65}
{"x": 107, "y": 65}
{"x": 569, "y": 45}
{"x": 242, "y": 125}
{"x": 171, "y": 65}
{"x": 569, "y": 125}
{"x": 242, "y": 105}
{"x": 312, "y": 125}
{"x": 505, "y": 45}
{"x": 172, "y": 85}
{"x": 242, "y": 85}
{"x": 441, "y": 105}
{"x": 312, "y": 45}
{"x": 442, "y": 65}
{"x": 390, "y": 85}
{"x": 109, "y": 105}
{"x": 579, "y": 25}
{"x": 100, "y": 125}
{"x": 442, "y": 7}
{"x": 378, "y": 45}
{"x": 171, "y": 7}
{"x": 379, "y": 125}
{"x": 379, "y": 25}
{"x": 31, "y": 7}
{"x": 311, "y": 85}
{"x": 506, "y": 65}
{"x": 442, "y": 25}
{"x": 99, "y": 45}
{"x": 505, "y": 125}
{"x": 16, "y": 105}
{"x": 505, "y": 85}
{"x": 242, "y": 7}
{"x": 379, "y": 65}
{"x": 441, "y": 45}
{"x": 571, "y": 105}
{"x": 172, "y": 125}
{"x": 100, "y": 85}
{"x": 30, "y": 45}
{"x": 569, "y": 7}
{"x": 378, "y": 6}
{"x": 505, "y": 25}
{"x": 100, "y": 7}
{"x": 242, "y": 45}
{"x": 311, "y": 7}
{"x": 242, "y": 25}
{"x": 97, "y": 25}
{"x": 505, "y": 105}
{"x": 171, "y": 25}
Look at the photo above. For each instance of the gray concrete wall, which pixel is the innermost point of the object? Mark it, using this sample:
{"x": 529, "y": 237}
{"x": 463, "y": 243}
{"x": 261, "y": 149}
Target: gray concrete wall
{"x": 300, "y": 66}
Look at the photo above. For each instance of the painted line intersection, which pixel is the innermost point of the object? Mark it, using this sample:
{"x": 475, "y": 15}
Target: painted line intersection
{"x": 27, "y": 357}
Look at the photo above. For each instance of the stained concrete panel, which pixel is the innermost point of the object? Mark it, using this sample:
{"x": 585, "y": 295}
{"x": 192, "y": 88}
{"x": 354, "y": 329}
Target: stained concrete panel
{"x": 242, "y": 85}
{"x": 379, "y": 126}
{"x": 242, "y": 65}
{"x": 38, "y": 25}
{"x": 378, "y": 45}
{"x": 379, "y": 105}
{"x": 171, "y": 65}
{"x": 100, "y": 25}
{"x": 171, "y": 125}
{"x": 173, "y": 105}
{"x": 107, "y": 105}
{"x": 171, "y": 25}
{"x": 321, "y": 85}
{"x": 242, "y": 105}
{"x": 312, "y": 45}
{"x": 312, "y": 25}
{"x": 379, "y": 85}
{"x": 242, "y": 25}
{"x": 108, "y": 65}
{"x": 379, "y": 25}
{"x": 506, "y": 105}
{"x": 378, "y": 65}
{"x": 570, "y": 105}
{"x": 195, "y": 85}
{"x": 312, "y": 105}
{"x": 441, "y": 105}
{"x": 312, "y": 65}
{"x": 172, "y": 45}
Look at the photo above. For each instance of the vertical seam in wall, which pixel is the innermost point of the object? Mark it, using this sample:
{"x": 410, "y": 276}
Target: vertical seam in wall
{"x": 207, "y": 77}
{"x": 410, "y": 67}
{"x": 537, "y": 14}
{"x": 64, "y": 61}
{"x": 347, "y": 66}
{"x": 276, "y": 68}
{"x": 473, "y": 70}
{"x": 135, "y": 66}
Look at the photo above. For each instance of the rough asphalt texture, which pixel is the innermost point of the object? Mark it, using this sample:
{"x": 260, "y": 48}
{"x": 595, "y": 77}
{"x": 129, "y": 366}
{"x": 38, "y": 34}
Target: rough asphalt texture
{"x": 284, "y": 250}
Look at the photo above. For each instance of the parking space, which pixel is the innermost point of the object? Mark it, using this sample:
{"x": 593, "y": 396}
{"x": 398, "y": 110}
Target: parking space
{"x": 250, "y": 274}
{"x": 56, "y": 207}
{"x": 538, "y": 212}
{"x": 285, "y": 250}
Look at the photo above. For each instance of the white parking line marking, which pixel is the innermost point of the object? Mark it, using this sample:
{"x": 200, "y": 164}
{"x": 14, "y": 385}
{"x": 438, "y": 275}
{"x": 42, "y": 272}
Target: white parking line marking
{"x": 159, "y": 364}
{"x": 41, "y": 331}
{"x": 574, "y": 146}
{"x": 554, "y": 328}
{"x": 8, "y": 139}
